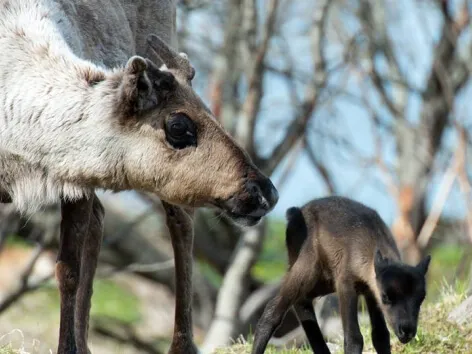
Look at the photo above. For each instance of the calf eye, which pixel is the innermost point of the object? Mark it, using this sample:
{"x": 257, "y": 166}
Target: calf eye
{"x": 180, "y": 131}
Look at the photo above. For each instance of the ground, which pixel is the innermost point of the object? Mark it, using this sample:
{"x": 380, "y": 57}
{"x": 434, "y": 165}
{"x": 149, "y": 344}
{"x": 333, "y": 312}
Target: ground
{"x": 435, "y": 335}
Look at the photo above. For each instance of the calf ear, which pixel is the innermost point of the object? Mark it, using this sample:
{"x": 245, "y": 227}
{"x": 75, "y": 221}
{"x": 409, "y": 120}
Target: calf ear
{"x": 144, "y": 86}
{"x": 424, "y": 264}
{"x": 379, "y": 260}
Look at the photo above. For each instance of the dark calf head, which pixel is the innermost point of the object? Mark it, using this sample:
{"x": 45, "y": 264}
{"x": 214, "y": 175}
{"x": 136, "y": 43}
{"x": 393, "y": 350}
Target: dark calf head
{"x": 177, "y": 148}
{"x": 402, "y": 289}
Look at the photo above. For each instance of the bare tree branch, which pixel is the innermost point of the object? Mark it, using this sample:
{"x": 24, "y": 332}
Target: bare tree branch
{"x": 126, "y": 335}
{"x": 418, "y": 145}
{"x": 26, "y": 285}
{"x": 299, "y": 123}
{"x": 320, "y": 168}
{"x": 250, "y": 109}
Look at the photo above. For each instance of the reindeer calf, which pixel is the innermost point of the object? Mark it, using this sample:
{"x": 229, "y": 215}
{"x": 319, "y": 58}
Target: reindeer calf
{"x": 338, "y": 245}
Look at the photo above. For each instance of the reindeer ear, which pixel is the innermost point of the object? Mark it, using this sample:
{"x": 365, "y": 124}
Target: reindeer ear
{"x": 161, "y": 80}
{"x": 424, "y": 264}
{"x": 144, "y": 86}
{"x": 378, "y": 259}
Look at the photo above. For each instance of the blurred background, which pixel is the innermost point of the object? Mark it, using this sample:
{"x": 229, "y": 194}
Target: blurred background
{"x": 367, "y": 99}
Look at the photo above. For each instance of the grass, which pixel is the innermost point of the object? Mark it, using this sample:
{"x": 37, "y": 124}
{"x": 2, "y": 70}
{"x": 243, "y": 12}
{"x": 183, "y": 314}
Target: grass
{"x": 272, "y": 262}
{"x": 435, "y": 334}
{"x": 8, "y": 350}
{"x": 109, "y": 301}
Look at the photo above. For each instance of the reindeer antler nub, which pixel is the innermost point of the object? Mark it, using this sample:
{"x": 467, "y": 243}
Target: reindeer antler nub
{"x": 170, "y": 57}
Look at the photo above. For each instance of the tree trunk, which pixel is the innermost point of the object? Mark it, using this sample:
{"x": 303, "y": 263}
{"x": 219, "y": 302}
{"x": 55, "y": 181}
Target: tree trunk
{"x": 234, "y": 289}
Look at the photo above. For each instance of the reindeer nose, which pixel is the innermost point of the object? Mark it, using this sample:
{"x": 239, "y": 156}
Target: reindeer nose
{"x": 266, "y": 195}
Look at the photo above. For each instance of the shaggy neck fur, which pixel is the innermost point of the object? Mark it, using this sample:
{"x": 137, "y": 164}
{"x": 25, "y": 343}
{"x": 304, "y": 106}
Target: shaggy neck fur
{"x": 56, "y": 129}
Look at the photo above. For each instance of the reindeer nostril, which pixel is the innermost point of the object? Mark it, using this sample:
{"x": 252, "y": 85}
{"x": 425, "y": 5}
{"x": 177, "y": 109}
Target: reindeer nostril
{"x": 253, "y": 189}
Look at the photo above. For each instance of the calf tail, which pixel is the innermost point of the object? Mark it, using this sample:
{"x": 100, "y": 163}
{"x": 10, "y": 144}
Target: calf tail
{"x": 297, "y": 231}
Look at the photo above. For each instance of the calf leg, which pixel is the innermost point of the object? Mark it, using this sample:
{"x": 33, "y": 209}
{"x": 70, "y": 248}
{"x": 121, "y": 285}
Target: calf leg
{"x": 74, "y": 227}
{"x": 380, "y": 334}
{"x": 348, "y": 300}
{"x": 307, "y": 317}
{"x": 297, "y": 283}
{"x": 180, "y": 227}
{"x": 88, "y": 265}
{"x": 270, "y": 320}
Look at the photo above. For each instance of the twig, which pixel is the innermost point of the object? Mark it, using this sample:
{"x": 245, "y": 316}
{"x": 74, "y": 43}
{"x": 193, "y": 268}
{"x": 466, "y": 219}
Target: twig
{"x": 140, "y": 268}
{"x": 129, "y": 227}
{"x": 463, "y": 179}
{"x": 319, "y": 82}
{"x": 25, "y": 285}
{"x": 246, "y": 122}
{"x": 126, "y": 337}
{"x": 446, "y": 185}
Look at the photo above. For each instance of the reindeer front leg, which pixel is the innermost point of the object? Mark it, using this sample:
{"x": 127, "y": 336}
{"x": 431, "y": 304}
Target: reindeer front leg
{"x": 74, "y": 228}
{"x": 180, "y": 226}
{"x": 88, "y": 265}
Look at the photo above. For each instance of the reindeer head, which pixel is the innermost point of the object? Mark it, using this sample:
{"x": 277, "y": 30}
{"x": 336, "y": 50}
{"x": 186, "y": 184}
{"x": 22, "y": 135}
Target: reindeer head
{"x": 180, "y": 151}
{"x": 402, "y": 289}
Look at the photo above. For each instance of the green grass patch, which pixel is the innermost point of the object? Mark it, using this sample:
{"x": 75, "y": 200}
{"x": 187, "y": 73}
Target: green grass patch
{"x": 7, "y": 349}
{"x": 443, "y": 269}
{"x": 245, "y": 348}
{"x": 113, "y": 301}
{"x": 109, "y": 300}
{"x": 435, "y": 334}
{"x": 16, "y": 241}
{"x": 272, "y": 262}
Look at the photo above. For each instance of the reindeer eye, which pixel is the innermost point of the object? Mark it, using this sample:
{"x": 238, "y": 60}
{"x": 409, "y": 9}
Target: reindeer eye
{"x": 180, "y": 131}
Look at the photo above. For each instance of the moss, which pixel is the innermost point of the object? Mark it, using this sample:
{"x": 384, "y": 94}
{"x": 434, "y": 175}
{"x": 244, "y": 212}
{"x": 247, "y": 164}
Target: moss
{"x": 113, "y": 301}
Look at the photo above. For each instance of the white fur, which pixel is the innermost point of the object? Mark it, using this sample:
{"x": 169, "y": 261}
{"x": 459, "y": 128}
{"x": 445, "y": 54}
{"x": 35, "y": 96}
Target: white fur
{"x": 56, "y": 131}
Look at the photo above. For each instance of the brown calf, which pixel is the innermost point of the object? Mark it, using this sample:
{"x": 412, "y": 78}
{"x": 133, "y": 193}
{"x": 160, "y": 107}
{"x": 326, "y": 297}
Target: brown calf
{"x": 338, "y": 245}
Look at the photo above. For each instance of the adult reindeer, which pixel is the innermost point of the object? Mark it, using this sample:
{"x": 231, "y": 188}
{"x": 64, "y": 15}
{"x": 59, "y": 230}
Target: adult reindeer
{"x": 83, "y": 108}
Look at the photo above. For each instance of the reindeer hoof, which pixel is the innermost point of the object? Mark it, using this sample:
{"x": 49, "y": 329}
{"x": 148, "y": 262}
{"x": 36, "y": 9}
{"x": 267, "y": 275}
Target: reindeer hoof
{"x": 184, "y": 348}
